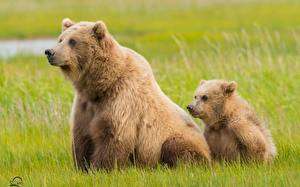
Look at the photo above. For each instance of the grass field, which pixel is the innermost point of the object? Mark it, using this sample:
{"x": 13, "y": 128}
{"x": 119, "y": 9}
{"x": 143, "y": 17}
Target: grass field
{"x": 256, "y": 43}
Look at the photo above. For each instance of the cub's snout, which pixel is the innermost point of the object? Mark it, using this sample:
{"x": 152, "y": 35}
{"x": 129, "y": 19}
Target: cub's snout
{"x": 192, "y": 110}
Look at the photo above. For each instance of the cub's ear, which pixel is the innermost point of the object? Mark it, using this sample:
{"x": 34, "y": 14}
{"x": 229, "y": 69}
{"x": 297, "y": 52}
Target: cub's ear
{"x": 229, "y": 87}
{"x": 99, "y": 29}
{"x": 202, "y": 82}
{"x": 66, "y": 23}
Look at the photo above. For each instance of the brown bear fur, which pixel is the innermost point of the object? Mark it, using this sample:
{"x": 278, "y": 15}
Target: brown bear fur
{"x": 119, "y": 112}
{"x": 232, "y": 129}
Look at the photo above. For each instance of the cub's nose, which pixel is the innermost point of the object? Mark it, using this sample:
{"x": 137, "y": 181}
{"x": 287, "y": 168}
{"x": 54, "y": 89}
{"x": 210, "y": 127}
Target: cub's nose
{"x": 190, "y": 108}
{"x": 49, "y": 52}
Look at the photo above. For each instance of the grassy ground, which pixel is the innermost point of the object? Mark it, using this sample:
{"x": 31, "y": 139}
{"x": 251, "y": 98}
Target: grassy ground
{"x": 256, "y": 44}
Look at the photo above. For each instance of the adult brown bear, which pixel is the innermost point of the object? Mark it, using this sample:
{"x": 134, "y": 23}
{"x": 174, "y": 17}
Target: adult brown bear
{"x": 120, "y": 113}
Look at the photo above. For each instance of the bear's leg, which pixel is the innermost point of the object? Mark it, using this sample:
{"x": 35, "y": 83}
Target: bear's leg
{"x": 112, "y": 147}
{"x": 252, "y": 138}
{"x": 82, "y": 149}
{"x": 109, "y": 155}
{"x": 178, "y": 149}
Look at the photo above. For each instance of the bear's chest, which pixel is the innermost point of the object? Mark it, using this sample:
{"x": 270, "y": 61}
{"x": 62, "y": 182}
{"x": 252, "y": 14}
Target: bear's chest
{"x": 95, "y": 118}
{"x": 223, "y": 144}
{"x": 82, "y": 114}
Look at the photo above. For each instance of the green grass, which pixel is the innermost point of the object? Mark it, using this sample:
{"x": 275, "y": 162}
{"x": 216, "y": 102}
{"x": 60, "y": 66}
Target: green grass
{"x": 256, "y": 44}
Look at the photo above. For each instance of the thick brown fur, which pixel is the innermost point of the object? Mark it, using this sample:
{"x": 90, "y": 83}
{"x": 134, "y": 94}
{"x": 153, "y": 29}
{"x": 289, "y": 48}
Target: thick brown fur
{"x": 119, "y": 112}
{"x": 232, "y": 129}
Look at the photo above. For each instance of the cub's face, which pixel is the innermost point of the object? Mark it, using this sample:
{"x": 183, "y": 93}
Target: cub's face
{"x": 209, "y": 99}
{"x": 76, "y": 46}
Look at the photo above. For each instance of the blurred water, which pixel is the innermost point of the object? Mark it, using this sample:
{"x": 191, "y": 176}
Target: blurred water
{"x": 9, "y": 48}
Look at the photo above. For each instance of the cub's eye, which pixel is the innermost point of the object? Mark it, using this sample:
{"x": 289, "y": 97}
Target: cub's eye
{"x": 204, "y": 98}
{"x": 195, "y": 97}
{"x": 72, "y": 42}
{"x": 60, "y": 40}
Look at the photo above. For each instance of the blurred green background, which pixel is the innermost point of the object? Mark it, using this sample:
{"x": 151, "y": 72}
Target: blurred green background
{"x": 255, "y": 43}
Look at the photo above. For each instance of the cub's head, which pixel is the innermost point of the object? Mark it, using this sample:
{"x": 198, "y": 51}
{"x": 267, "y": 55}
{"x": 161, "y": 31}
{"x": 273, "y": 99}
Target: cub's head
{"x": 77, "y": 45}
{"x": 209, "y": 99}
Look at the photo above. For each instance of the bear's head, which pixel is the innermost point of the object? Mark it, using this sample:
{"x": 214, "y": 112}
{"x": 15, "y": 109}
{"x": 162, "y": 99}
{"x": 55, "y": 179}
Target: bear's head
{"x": 210, "y": 99}
{"x": 85, "y": 51}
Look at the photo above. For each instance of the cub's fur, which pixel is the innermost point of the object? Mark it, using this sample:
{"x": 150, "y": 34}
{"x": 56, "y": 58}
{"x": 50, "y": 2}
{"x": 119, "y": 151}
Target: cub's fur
{"x": 232, "y": 129}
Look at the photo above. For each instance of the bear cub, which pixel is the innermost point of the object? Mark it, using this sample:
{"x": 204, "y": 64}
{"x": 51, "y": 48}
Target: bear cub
{"x": 232, "y": 129}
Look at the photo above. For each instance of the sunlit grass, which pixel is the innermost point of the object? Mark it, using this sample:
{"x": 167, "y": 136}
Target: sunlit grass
{"x": 255, "y": 44}
{"x": 36, "y": 101}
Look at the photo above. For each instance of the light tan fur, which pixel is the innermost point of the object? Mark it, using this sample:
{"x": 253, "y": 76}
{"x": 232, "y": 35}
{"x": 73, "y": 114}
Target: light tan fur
{"x": 120, "y": 113}
{"x": 232, "y": 129}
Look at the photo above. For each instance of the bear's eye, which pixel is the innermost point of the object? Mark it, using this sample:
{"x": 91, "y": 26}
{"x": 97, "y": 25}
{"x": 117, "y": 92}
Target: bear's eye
{"x": 72, "y": 42}
{"x": 195, "y": 97}
{"x": 204, "y": 98}
{"x": 60, "y": 40}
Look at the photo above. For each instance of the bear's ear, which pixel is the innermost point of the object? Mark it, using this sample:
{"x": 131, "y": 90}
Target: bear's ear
{"x": 66, "y": 23}
{"x": 202, "y": 82}
{"x": 99, "y": 29}
{"x": 229, "y": 87}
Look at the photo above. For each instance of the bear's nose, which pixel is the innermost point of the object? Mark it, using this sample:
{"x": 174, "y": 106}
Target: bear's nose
{"x": 49, "y": 52}
{"x": 190, "y": 107}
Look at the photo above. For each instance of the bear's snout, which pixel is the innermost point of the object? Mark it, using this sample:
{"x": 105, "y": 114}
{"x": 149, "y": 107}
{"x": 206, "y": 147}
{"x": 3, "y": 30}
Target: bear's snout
{"x": 49, "y": 52}
{"x": 190, "y": 108}
{"x": 50, "y": 55}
